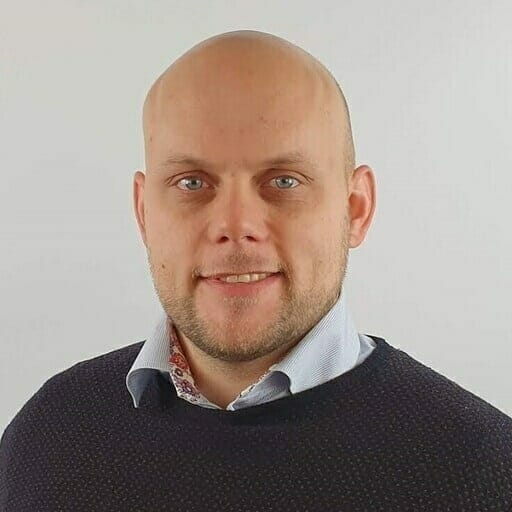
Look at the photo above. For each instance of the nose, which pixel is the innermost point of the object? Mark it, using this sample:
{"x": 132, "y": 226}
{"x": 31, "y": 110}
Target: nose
{"x": 238, "y": 214}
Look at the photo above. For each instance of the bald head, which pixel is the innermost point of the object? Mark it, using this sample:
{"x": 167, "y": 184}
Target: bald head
{"x": 241, "y": 59}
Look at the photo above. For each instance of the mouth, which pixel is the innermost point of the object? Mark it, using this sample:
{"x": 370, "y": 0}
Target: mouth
{"x": 242, "y": 288}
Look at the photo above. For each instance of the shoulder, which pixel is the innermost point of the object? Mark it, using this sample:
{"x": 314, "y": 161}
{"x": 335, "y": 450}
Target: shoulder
{"x": 450, "y": 436}
{"x": 93, "y": 376}
{"x": 117, "y": 359}
{"x": 41, "y": 439}
{"x": 445, "y": 405}
{"x": 110, "y": 366}
{"x": 445, "y": 425}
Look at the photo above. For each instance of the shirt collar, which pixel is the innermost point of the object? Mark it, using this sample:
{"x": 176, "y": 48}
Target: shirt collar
{"x": 329, "y": 349}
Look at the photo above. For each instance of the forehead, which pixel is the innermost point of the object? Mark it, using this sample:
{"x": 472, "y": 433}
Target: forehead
{"x": 291, "y": 158}
{"x": 246, "y": 124}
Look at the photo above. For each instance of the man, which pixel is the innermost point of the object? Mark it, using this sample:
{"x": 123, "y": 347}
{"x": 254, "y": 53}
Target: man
{"x": 254, "y": 392}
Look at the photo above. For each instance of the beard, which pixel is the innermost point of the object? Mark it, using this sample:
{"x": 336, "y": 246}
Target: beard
{"x": 240, "y": 336}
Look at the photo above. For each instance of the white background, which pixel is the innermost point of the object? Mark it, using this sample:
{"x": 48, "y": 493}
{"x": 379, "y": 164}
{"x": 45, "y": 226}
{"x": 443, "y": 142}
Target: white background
{"x": 429, "y": 86}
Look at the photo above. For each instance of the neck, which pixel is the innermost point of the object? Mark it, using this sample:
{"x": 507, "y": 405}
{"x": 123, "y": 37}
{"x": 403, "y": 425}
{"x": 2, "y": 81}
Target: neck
{"x": 222, "y": 381}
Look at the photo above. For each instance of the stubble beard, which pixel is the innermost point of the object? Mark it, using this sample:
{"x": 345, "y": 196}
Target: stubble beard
{"x": 235, "y": 340}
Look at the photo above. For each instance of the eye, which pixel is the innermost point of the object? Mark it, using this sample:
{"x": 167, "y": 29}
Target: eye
{"x": 193, "y": 180}
{"x": 284, "y": 180}
{"x": 195, "y": 183}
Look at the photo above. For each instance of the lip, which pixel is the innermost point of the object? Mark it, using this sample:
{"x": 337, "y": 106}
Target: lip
{"x": 241, "y": 289}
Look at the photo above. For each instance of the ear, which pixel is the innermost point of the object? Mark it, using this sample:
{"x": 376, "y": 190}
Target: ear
{"x": 362, "y": 201}
{"x": 138, "y": 201}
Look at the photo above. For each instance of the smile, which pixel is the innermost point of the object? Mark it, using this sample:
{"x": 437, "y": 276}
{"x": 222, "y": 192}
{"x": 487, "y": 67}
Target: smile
{"x": 245, "y": 287}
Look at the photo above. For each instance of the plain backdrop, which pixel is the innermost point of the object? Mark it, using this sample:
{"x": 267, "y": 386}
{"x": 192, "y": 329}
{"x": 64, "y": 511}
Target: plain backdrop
{"x": 429, "y": 86}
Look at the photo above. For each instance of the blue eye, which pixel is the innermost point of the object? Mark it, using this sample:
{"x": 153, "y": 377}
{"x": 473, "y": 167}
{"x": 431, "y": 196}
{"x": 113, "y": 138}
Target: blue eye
{"x": 194, "y": 181}
{"x": 280, "y": 178}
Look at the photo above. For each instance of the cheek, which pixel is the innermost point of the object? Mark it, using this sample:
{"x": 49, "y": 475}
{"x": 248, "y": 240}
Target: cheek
{"x": 320, "y": 247}
{"x": 155, "y": 224}
{"x": 305, "y": 250}
{"x": 163, "y": 247}
{"x": 173, "y": 252}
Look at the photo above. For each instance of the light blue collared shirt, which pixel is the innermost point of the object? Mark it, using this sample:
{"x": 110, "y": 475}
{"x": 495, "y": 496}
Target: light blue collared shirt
{"x": 331, "y": 348}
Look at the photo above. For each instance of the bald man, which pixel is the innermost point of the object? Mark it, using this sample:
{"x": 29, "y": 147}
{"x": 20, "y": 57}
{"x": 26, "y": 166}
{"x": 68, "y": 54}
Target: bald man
{"x": 254, "y": 391}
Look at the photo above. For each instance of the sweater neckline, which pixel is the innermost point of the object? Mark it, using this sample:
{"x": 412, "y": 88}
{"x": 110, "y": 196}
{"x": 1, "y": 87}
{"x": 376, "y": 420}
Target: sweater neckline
{"x": 291, "y": 404}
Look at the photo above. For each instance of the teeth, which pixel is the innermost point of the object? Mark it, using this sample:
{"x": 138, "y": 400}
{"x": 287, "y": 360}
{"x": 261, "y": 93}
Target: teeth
{"x": 244, "y": 278}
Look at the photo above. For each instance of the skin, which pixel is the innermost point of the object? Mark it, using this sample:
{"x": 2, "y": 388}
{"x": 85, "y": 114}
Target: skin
{"x": 234, "y": 101}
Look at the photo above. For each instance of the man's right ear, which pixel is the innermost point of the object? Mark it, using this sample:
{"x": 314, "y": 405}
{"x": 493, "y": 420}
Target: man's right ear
{"x": 138, "y": 202}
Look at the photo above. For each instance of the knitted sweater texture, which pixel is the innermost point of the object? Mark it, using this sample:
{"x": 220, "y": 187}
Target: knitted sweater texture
{"x": 391, "y": 434}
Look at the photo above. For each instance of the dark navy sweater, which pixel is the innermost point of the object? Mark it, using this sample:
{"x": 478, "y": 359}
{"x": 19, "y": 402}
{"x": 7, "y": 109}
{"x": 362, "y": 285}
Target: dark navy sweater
{"x": 389, "y": 435}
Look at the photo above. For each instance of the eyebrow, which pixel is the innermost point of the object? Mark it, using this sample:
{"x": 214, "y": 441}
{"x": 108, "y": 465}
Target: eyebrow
{"x": 288, "y": 158}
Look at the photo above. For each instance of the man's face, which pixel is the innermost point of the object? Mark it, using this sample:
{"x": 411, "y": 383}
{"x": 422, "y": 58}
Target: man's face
{"x": 235, "y": 213}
